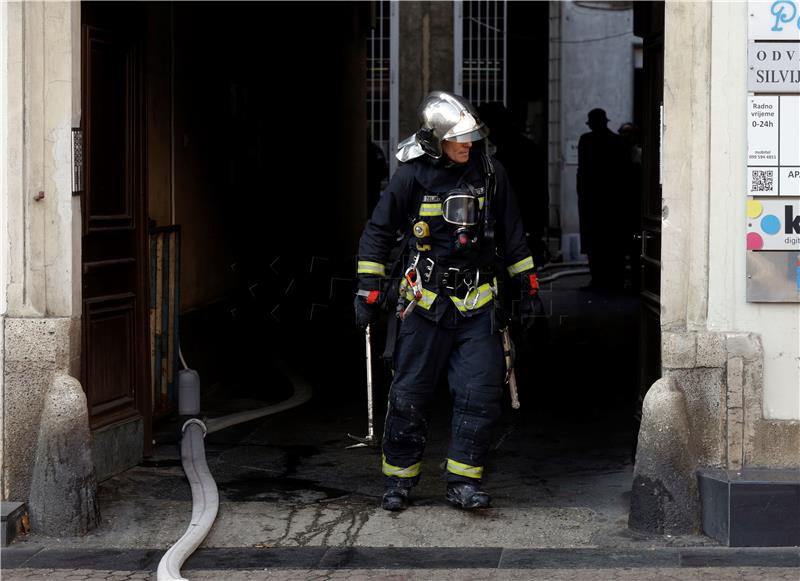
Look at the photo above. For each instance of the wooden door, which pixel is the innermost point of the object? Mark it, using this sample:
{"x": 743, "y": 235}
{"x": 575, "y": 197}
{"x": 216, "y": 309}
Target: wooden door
{"x": 115, "y": 370}
{"x": 649, "y": 24}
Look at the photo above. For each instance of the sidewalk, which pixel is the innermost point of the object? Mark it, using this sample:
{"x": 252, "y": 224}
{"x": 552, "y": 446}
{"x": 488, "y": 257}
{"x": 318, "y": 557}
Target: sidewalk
{"x": 445, "y": 564}
{"x": 296, "y": 504}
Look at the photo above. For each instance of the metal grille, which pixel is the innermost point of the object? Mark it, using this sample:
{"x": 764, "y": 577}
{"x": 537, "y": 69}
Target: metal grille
{"x": 379, "y": 77}
{"x": 77, "y": 161}
{"x": 554, "y": 139}
{"x": 480, "y": 50}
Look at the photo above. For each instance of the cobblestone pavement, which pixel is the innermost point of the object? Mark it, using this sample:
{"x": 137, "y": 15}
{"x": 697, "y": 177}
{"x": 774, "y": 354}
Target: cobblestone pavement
{"x": 628, "y": 574}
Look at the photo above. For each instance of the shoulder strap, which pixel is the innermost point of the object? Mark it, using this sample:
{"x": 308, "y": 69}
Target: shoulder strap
{"x": 488, "y": 206}
{"x": 399, "y": 250}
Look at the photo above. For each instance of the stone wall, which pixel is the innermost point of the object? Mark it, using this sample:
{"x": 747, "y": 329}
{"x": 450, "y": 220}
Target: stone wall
{"x": 705, "y": 411}
{"x": 47, "y": 459}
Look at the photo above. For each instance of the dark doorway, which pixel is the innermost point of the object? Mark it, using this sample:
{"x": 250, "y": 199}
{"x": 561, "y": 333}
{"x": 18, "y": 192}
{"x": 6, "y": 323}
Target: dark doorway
{"x": 268, "y": 162}
{"x": 268, "y": 155}
{"x": 268, "y": 189}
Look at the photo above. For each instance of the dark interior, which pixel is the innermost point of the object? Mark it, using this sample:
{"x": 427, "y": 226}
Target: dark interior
{"x": 269, "y": 192}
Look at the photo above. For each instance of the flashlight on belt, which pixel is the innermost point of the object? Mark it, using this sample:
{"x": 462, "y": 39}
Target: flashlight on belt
{"x": 422, "y": 232}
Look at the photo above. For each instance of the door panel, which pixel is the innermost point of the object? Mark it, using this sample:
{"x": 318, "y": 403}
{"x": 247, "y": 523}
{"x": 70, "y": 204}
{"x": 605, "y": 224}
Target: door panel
{"x": 108, "y": 68}
{"x": 115, "y": 360}
{"x": 111, "y": 323}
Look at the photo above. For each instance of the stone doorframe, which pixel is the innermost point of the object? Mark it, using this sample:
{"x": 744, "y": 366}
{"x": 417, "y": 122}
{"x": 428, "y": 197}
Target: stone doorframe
{"x": 45, "y": 452}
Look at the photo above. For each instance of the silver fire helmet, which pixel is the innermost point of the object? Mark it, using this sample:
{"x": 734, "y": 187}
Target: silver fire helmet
{"x": 442, "y": 116}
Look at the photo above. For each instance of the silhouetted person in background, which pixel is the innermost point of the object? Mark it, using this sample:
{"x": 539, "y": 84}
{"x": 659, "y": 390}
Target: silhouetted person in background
{"x": 526, "y": 164}
{"x": 603, "y": 177}
{"x": 630, "y": 133}
{"x": 377, "y": 171}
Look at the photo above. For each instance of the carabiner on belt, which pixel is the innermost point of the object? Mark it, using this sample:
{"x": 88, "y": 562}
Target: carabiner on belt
{"x": 470, "y": 288}
{"x": 414, "y": 283}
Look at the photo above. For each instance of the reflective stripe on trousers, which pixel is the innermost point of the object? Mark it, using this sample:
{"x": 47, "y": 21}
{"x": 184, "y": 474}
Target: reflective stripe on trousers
{"x": 462, "y": 469}
{"x": 408, "y": 472}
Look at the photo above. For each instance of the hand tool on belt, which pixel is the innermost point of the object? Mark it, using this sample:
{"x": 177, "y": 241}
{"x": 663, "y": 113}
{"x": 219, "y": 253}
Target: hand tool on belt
{"x": 511, "y": 378}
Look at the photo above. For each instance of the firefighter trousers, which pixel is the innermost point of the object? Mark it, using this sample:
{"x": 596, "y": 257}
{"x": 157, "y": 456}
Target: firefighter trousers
{"x": 473, "y": 357}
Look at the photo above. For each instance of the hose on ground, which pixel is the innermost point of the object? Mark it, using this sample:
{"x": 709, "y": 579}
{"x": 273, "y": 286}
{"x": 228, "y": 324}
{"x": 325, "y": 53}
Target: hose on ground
{"x": 205, "y": 496}
{"x": 563, "y": 273}
{"x": 205, "y": 501}
{"x": 302, "y": 393}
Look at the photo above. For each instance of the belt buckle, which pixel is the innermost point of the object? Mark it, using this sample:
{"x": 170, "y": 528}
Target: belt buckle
{"x": 451, "y": 282}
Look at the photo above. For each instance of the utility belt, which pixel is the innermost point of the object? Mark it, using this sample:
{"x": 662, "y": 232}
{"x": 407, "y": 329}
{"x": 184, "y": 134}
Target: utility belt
{"x": 469, "y": 288}
{"x": 456, "y": 282}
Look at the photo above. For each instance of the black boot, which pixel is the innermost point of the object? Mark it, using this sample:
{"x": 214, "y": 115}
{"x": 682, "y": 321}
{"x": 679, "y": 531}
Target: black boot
{"x": 467, "y": 495}
{"x": 395, "y": 498}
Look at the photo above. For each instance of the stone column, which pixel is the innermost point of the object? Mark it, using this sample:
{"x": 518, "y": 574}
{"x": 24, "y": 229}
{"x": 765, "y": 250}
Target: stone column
{"x": 426, "y": 56}
{"x": 687, "y": 94}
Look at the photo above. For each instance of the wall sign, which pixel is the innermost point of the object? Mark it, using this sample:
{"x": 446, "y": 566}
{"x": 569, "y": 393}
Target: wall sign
{"x": 773, "y": 67}
{"x": 773, "y": 277}
{"x": 773, "y": 145}
{"x": 773, "y": 224}
{"x": 773, "y": 151}
{"x": 773, "y": 20}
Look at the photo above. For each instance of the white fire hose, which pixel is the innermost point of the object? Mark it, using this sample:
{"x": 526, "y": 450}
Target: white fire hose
{"x": 205, "y": 501}
{"x": 205, "y": 496}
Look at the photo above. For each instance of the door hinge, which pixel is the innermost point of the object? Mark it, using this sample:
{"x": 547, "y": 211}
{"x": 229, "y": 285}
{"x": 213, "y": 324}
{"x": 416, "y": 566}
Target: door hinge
{"x": 77, "y": 161}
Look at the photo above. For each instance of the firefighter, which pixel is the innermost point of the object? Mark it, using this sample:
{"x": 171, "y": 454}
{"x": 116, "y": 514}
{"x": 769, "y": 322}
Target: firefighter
{"x": 458, "y": 211}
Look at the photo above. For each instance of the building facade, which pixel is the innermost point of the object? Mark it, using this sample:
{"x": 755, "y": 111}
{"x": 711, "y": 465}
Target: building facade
{"x": 729, "y": 394}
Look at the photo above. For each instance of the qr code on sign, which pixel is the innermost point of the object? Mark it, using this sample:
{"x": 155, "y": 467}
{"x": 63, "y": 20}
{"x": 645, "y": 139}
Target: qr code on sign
{"x": 761, "y": 180}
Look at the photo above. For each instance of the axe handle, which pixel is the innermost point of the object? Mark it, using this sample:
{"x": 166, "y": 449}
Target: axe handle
{"x": 511, "y": 377}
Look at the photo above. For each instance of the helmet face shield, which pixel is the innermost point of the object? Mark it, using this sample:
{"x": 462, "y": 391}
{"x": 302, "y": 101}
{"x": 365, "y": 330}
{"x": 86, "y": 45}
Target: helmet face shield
{"x": 469, "y": 128}
{"x": 461, "y": 208}
{"x": 469, "y": 137}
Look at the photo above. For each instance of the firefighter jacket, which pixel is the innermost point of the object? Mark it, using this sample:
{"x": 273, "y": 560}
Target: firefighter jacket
{"x": 467, "y": 278}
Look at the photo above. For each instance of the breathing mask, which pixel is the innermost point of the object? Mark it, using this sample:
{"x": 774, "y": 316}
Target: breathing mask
{"x": 461, "y": 208}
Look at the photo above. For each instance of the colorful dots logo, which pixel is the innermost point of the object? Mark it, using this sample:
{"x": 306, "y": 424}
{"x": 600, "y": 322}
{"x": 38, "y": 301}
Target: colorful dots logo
{"x": 768, "y": 224}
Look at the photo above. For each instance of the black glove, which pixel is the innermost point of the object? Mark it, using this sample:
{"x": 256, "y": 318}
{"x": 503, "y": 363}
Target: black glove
{"x": 531, "y": 305}
{"x": 366, "y": 314}
{"x": 502, "y": 316}
{"x": 367, "y": 306}
{"x": 530, "y": 308}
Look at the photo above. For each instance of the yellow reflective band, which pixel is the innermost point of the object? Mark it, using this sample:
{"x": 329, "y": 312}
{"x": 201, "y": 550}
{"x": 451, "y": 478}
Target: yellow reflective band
{"x": 484, "y": 295}
{"x": 430, "y": 209}
{"x": 366, "y": 267}
{"x": 426, "y": 302}
{"x": 480, "y": 202}
{"x": 464, "y": 469}
{"x": 521, "y": 266}
{"x": 409, "y": 472}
